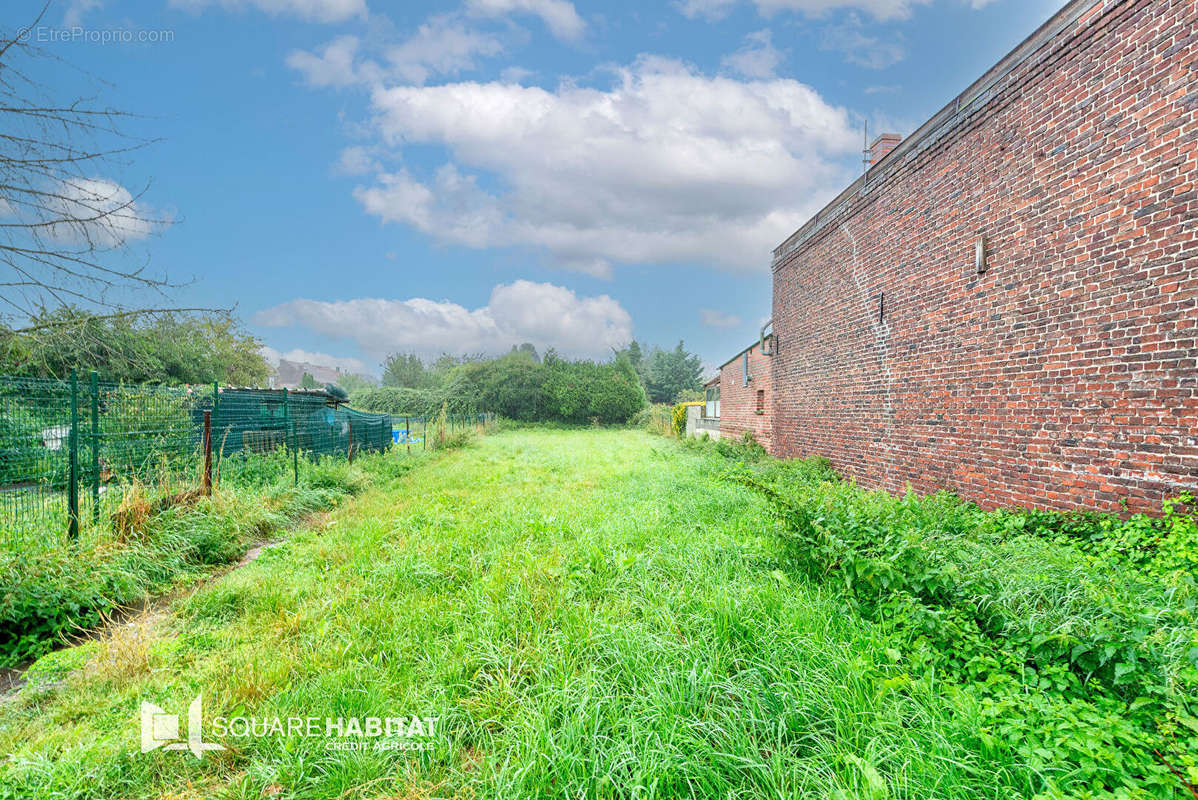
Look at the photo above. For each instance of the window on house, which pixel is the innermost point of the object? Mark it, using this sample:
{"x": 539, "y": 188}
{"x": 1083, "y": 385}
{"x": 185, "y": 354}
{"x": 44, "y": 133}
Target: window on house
{"x": 761, "y": 401}
{"x": 711, "y": 405}
{"x": 748, "y": 377}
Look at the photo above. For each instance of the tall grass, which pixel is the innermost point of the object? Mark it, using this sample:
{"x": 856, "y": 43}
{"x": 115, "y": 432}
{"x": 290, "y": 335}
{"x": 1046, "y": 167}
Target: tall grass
{"x": 591, "y": 613}
{"x": 158, "y": 537}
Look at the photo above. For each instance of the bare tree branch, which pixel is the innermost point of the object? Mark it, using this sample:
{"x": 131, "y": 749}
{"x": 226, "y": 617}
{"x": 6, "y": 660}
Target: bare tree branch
{"x": 59, "y": 323}
{"x": 66, "y": 220}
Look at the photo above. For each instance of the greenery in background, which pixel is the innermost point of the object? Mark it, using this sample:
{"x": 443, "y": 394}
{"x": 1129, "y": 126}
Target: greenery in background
{"x": 656, "y": 418}
{"x": 606, "y": 614}
{"x": 160, "y": 349}
{"x": 668, "y": 375}
{"x": 519, "y": 386}
{"x": 524, "y": 387}
{"x": 352, "y": 382}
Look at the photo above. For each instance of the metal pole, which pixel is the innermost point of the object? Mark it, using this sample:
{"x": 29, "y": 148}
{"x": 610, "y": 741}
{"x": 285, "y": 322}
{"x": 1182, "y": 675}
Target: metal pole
{"x": 294, "y": 438}
{"x": 95, "y": 390}
{"x": 350, "y": 446}
{"x": 207, "y": 485}
{"x": 73, "y": 488}
{"x": 216, "y": 418}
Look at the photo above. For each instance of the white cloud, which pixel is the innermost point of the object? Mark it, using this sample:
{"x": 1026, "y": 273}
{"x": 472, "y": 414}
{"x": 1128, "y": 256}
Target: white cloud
{"x": 718, "y": 319}
{"x": 667, "y": 165}
{"x": 100, "y": 212}
{"x": 73, "y": 16}
{"x": 523, "y": 311}
{"x": 333, "y": 66}
{"x": 441, "y": 46}
{"x": 879, "y": 9}
{"x": 355, "y": 161}
{"x": 711, "y": 10}
{"x": 558, "y": 15}
{"x": 758, "y": 58}
{"x": 858, "y": 47}
{"x": 515, "y": 74}
{"x": 354, "y": 366}
{"x": 714, "y": 10}
{"x": 311, "y": 10}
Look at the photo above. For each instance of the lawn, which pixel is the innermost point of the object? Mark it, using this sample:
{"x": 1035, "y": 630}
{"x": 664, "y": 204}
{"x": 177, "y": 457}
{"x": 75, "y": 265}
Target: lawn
{"x": 586, "y": 613}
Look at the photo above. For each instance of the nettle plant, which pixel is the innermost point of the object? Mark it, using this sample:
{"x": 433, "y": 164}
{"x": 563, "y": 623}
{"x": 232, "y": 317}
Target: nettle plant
{"x": 1075, "y": 632}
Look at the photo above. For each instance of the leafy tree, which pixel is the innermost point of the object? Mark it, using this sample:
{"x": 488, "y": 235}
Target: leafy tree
{"x": 405, "y": 371}
{"x": 520, "y": 387}
{"x": 352, "y": 382}
{"x": 635, "y": 356}
{"x": 668, "y": 373}
{"x": 169, "y": 348}
{"x": 307, "y": 381}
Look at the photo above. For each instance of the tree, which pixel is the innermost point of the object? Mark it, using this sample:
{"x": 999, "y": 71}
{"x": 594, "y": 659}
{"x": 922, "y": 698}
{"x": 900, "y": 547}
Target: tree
{"x": 307, "y": 381}
{"x": 64, "y": 214}
{"x": 405, "y": 371}
{"x": 667, "y": 373}
{"x": 165, "y": 348}
{"x": 635, "y": 356}
{"x": 352, "y": 382}
{"x": 67, "y": 224}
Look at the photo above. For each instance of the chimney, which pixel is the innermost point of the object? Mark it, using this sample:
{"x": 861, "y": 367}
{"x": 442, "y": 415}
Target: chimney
{"x": 883, "y": 145}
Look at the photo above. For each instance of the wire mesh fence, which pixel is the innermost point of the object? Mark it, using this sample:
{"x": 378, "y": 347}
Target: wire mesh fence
{"x": 69, "y": 448}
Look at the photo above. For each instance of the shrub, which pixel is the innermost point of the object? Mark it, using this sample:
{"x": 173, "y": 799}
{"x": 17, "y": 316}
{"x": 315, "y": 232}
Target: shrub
{"x": 747, "y": 448}
{"x": 657, "y": 418}
{"x": 1082, "y": 659}
{"x": 679, "y": 417}
{"x": 519, "y": 387}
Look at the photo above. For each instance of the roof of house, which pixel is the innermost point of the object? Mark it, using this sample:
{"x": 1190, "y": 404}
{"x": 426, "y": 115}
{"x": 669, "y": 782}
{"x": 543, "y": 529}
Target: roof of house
{"x": 740, "y": 353}
{"x": 291, "y": 373}
{"x": 943, "y": 123}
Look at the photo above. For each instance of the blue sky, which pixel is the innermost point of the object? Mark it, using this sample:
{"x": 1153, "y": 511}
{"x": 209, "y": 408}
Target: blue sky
{"x": 361, "y": 177}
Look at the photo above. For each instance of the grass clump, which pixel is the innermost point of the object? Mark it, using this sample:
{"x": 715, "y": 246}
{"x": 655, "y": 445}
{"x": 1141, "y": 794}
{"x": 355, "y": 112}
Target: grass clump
{"x": 153, "y": 545}
{"x": 602, "y": 613}
{"x": 1075, "y": 633}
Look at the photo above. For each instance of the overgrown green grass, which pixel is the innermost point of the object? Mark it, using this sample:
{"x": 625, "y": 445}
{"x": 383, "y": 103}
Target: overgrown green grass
{"x": 158, "y": 539}
{"x": 590, "y": 613}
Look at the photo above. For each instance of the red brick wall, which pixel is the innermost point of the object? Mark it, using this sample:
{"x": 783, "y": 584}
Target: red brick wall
{"x": 738, "y": 403}
{"x": 1065, "y": 376}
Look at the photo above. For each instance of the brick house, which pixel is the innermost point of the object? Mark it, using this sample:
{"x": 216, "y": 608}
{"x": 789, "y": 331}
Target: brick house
{"x": 1005, "y": 305}
{"x": 744, "y": 394}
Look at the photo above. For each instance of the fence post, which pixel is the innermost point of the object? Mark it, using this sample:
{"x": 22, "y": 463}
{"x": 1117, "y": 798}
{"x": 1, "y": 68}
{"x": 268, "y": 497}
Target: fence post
{"x": 216, "y": 421}
{"x": 294, "y": 446}
{"x": 73, "y": 456}
{"x": 207, "y": 485}
{"x": 95, "y": 390}
{"x": 350, "y": 447}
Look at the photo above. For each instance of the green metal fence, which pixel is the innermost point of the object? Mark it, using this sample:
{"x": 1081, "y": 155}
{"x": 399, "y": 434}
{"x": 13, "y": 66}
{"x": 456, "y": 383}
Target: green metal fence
{"x": 68, "y": 447}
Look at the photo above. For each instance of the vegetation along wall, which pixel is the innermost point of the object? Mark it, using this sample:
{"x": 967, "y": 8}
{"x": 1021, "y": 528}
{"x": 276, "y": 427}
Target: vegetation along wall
{"x": 1056, "y": 367}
